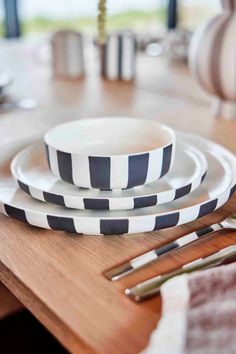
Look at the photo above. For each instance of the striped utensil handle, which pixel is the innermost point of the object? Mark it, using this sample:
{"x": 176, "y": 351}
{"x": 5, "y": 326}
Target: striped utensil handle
{"x": 146, "y": 258}
{"x": 151, "y": 287}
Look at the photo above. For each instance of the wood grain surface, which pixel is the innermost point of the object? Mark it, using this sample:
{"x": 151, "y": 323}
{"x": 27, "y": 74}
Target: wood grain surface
{"x": 58, "y": 276}
{"x": 9, "y": 304}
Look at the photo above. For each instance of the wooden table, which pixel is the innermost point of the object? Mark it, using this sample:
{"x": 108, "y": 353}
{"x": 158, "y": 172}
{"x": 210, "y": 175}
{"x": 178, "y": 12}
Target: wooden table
{"x": 58, "y": 276}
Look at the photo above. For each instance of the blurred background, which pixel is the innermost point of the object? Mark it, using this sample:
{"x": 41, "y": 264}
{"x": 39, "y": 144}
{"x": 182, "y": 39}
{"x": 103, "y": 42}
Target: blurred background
{"x": 163, "y": 87}
{"x": 37, "y": 18}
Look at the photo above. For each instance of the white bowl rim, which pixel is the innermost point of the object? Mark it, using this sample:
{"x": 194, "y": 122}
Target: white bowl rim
{"x": 161, "y": 126}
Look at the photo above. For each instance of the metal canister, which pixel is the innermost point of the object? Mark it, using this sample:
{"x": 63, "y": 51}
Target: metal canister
{"x": 118, "y": 56}
{"x": 67, "y": 55}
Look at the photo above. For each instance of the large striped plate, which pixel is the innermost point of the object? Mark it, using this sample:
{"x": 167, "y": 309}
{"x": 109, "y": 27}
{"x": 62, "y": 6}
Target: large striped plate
{"x": 215, "y": 190}
{"x": 30, "y": 169}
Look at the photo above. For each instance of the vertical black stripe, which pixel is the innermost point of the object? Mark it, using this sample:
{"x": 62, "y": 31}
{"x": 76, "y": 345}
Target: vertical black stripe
{"x": 12, "y": 23}
{"x": 203, "y": 177}
{"x": 60, "y": 223}
{"x": 54, "y": 198}
{"x": 207, "y": 208}
{"x": 166, "y": 160}
{"x": 120, "y": 54}
{"x": 133, "y": 51}
{"x": 15, "y": 213}
{"x": 140, "y": 202}
{"x": 96, "y": 204}
{"x": 172, "y": 17}
{"x": 164, "y": 221}
{"x": 24, "y": 187}
{"x": 65, "y": 166}
{"x": 99, "y": 168}
{"x": 138, "y": 168}
{"x": 114, "y": 227}
{"x": 48, "y": 157}
{"x": 103, "y": 51}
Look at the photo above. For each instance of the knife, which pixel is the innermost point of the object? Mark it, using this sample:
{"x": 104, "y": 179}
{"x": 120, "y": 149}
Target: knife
{"x": 139, "y": 262}
{"x": 151, "y": 287}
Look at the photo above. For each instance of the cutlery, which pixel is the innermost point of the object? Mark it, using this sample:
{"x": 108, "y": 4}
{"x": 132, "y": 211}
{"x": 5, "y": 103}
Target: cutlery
{"x": 151, "y": 287}
{"x": 138, "y": 262}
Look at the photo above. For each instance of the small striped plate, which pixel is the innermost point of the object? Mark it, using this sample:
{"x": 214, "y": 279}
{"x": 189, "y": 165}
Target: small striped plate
{"x": 216, "y": 189}
{"x": 29, "y": 168}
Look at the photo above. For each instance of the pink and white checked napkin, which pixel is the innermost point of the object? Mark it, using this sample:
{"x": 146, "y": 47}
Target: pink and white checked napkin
{"x": 198, "y": 314}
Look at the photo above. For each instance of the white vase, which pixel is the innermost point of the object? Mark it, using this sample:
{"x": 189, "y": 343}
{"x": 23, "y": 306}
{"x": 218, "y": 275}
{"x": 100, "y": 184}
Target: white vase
{"x": 212, "y": 58}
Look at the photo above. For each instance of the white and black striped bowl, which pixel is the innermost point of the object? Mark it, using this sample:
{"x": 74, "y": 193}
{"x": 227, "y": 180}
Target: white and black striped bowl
{"x": 110, "y": 153}
{"x": 216, "y": 189}
{"x": 29, "y": 169}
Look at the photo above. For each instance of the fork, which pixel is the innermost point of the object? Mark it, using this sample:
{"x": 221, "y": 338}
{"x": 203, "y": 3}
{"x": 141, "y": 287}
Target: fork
{"x": 138, "y": 262}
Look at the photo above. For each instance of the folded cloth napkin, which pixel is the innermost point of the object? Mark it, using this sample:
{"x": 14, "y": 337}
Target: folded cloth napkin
{"x": 198, "y": 314}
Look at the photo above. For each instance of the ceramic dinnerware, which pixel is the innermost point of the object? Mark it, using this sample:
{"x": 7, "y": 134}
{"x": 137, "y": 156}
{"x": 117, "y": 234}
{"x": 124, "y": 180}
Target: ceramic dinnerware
{"x": 215, "y": 190}
{"x": 110, "y": 153}
{"x": 30, "y": 170}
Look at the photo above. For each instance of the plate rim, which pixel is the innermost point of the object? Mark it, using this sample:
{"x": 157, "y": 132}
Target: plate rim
{"x": 196, "y": 182}
{"x": 203, "y": 208}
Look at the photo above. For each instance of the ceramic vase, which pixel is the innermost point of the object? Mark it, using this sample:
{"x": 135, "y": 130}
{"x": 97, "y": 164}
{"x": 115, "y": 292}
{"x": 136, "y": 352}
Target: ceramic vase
{"x": 67, "y": 55}
{"x": 118, "y": 56}
{"x": 212, "y": 59}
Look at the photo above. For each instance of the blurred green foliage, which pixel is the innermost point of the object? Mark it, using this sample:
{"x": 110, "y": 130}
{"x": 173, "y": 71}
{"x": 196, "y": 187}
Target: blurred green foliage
{"x": 129, "y": 19}
{"x": 189, "y": 17}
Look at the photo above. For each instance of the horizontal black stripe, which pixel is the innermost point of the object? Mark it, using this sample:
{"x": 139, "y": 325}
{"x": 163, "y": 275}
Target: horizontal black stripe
{"x": 61, "y": 223}
{"x": 207, "y": 208}
{"x": 166, "y": 248}
{"x": 15, "y": 213}
{"x": 180, "y": 192}
{"x": 204, "y": 231}
{"x": 114, "y": 227}
{"x": 168, "y": 220}
{"x": 140, "y": 202}
{"x": 54, "y": 198}
{"x": 96, "y": 204}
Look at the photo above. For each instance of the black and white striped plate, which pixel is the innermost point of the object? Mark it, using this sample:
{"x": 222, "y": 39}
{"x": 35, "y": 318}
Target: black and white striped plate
{"x": 29, "y": 168}
{"x": 215, "y": 190}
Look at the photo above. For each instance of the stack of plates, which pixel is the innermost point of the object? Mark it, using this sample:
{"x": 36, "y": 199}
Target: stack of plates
{"x": 152, "y": 179}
